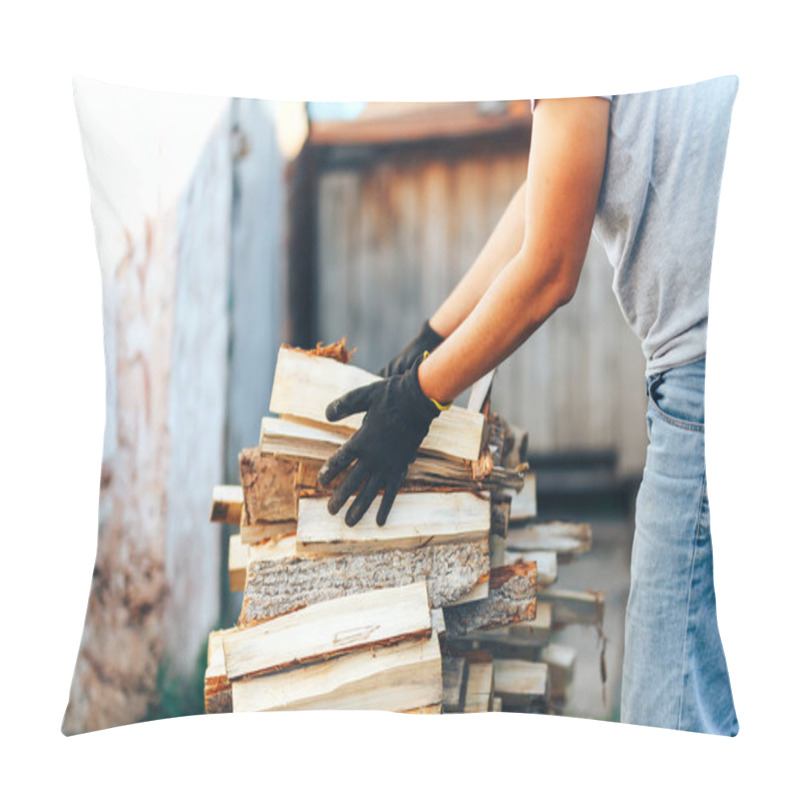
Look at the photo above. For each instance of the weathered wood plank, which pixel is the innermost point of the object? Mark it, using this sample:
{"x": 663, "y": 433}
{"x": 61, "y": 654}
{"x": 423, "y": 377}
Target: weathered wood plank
{"x": 329, "y": 629}
{"x": 512, "y": 598}
{"x": 305, "y": 384}
{"x": 402, "y": 677}
{"x": 416, "y": 518}
{"x": 226, "y": 504}
{"x": 279, "y": 580}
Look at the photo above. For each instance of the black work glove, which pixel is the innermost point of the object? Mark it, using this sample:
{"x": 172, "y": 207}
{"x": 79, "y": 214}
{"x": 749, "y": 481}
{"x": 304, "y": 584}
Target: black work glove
{"x": 426, "y": 339}
{"x": 398, "y": 415}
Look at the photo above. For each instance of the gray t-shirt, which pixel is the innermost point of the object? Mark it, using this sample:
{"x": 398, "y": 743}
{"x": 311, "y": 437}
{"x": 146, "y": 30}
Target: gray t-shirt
{"x": 657, "y": 212}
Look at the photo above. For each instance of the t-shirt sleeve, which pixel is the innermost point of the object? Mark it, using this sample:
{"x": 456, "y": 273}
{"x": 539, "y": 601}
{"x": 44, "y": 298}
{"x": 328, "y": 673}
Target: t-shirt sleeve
{"x": 604, "y": 96}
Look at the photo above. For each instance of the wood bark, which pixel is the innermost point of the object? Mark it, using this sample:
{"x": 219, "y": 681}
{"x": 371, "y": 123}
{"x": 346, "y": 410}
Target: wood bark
{"x": 546, "y": 563}
{"x": 280, "y": 581}
{"x": 512, "y": 598}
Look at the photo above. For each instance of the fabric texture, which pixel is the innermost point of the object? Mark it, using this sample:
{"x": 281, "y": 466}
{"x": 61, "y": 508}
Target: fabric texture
{"x": 674, "y": 670}
{"x": 657, "y": 211}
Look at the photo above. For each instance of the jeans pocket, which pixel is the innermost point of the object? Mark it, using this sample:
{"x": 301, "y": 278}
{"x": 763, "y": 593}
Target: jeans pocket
{"x": 677, "y": 401}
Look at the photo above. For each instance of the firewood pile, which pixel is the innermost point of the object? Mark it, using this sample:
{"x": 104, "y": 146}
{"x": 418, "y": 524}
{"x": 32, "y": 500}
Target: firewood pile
{"x": 448, "y": 607}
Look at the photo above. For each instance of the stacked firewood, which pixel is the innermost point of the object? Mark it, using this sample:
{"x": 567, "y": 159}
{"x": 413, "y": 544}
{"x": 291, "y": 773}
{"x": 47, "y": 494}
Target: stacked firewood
{"x": 531, "y": 670}
{"x": 372, "y": 617}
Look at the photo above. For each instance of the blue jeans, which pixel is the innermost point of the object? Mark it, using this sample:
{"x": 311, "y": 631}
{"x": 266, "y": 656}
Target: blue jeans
{"x": 674, "y": 673}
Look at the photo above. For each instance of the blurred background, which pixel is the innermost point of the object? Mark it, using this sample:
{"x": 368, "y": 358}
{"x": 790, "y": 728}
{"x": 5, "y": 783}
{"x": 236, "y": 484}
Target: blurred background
{"x": 228, "y": 226}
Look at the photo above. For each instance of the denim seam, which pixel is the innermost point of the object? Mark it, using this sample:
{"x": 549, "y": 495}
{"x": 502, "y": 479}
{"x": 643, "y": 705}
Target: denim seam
{"x": 684, "y": 669}
{"x": 651, "y": 385}
{"x": 696, "y": 427}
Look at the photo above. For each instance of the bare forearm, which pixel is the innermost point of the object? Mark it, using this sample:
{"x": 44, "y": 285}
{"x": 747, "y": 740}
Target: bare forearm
{"x": 517, "y": 303}
{"x": 504, "y": 243}
{"x": 565, "y": 171}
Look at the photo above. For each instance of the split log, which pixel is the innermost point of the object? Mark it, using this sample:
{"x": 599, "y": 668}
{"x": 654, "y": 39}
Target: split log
{"x": 523, "y": 504}
{"x": 226, "y": 504}
{"x": 516, "y": 447}
{"x": 546, "y": 563}
{"x": 329, "y": 629}
{"x": 268, "y": 487}
{"x": 305, "y": 384}
{"x": 560, "y": 660}
{"x": 293, "y": 440}
{"x": 238, "y": 554}
{"x": 437, "y": 621}
{"x": 563, "y": 538}
{"x": 253, "y": 534}
{"x": 416, "y": 519}
{"x": 574, "y": 608}
{"x": 498, "y": 642}
{"x": 520, "y": 684}
{"x": 401, "y": 677}
{"x": 454, "y": 684}
{"x": 434, "y": 709}
{"x": 279, "y": 580}
{"x": 480, "y": 392}
{"x": 480, "y": 682}
{"x": 536, "y": 631}
{"x": 217, "y": 687}
{"x": 512, "y": 598}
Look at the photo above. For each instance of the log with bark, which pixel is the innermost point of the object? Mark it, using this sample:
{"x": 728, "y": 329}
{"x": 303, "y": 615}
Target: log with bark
{"x": 328, "y": 629}
{"x": 280, "y": 580}
{"x": 512, "y": 598}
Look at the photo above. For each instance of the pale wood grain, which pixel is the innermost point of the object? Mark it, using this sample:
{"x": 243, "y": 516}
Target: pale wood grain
{"x": 416, "y": 518}
{"x": 305, "y": 384}
{"x": 226, "y": 504}
{"x": 329, "y": 628}
{"x": 400, "y": 677}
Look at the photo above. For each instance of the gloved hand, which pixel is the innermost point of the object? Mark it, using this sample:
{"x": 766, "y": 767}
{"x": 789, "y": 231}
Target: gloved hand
{"x": 426, "y": 339}
{"x": 398, "y": 416}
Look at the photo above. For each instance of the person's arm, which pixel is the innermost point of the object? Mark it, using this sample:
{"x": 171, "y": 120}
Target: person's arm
{"x": 500, "y": 248}
{"x": 565, "y": 172}
{"x": 504, "y": 243}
